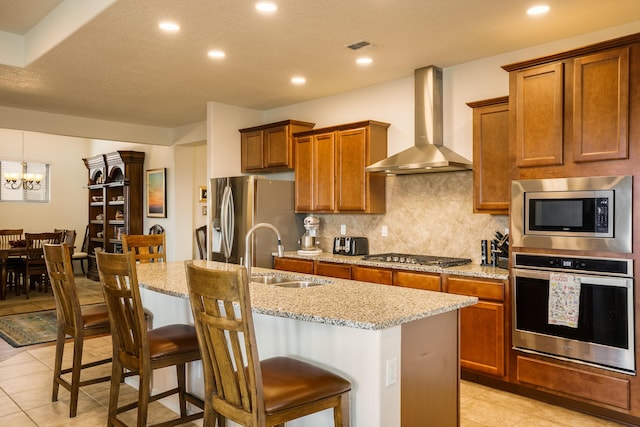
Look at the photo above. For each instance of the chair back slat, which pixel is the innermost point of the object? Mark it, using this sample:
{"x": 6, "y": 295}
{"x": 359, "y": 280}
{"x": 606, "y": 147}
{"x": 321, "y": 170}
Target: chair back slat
{"x": 145, "y": 247}
{"x": 122, "y": 295}
{"x": 224, "y": 323}
{"x": 58, "y": 261}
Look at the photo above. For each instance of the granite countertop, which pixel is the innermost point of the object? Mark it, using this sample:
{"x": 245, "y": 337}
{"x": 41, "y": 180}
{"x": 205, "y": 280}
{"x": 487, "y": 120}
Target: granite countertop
{"x": 337, "y": 302}
{"x": 471, "y": 270}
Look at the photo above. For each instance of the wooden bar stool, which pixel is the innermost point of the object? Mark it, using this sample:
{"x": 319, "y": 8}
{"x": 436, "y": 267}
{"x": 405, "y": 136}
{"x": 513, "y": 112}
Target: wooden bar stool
{"x": 139, "y": 350}
{"x": 146, "y": 247}
{"x": 239, "y": 386}
{"x": 73, "y": 320}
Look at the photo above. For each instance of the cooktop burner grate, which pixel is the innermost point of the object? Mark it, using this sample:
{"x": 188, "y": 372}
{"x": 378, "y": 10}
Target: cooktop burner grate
{"x": 418, "y": 259}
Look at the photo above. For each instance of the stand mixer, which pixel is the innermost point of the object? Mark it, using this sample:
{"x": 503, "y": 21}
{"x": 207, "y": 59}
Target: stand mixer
{"x": 309, "y": 240}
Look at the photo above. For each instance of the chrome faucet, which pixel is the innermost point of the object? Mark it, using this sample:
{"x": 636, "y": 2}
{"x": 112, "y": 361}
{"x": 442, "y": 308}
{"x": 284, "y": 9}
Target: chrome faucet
{"x": 247, "y": 245}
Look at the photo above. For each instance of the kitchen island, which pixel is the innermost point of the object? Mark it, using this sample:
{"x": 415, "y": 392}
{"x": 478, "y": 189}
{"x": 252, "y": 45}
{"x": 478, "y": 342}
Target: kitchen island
{"x": 398, "y": 347}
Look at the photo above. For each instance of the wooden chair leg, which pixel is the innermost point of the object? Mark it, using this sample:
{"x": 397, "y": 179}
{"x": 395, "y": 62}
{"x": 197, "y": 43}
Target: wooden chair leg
{"x": 182, "y": 386}
{"x": 78, "y": 343}
{"x": 341, "y": 412}
{"x": 57, "y": 364}
{"x": 144, "y": 392}
{"x": 114, "y": 390}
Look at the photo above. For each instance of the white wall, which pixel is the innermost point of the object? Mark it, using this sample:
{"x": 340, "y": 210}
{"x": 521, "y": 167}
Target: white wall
{"x": 68, "y": 198}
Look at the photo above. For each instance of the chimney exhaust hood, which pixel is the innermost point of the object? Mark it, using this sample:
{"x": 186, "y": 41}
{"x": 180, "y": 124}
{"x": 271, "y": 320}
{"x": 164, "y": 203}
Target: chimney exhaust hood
{"x": 428, "y": 155}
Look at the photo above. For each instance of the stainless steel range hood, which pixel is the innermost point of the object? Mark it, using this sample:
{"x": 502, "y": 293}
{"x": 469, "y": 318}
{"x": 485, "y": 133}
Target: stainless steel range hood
{"x": 428, "y": 154}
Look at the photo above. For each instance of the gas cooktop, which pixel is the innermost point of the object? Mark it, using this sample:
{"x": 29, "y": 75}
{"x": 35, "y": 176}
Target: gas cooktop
{"x": 438, "y": 261}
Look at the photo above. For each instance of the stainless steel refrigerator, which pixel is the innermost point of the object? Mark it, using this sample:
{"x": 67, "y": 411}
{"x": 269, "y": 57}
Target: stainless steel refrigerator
{"x": 238, "y": 203}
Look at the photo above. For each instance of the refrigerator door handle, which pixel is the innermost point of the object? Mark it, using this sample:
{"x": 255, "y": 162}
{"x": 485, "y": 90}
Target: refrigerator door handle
{"x": 227, "y": 213}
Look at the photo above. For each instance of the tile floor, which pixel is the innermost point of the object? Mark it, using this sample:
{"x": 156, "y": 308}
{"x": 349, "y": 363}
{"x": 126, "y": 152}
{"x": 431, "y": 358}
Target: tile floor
{"x": 26, "y": 378}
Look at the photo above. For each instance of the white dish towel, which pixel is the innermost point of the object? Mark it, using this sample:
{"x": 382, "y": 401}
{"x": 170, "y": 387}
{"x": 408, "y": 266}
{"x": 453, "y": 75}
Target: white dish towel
{"x": 564, "y": 299}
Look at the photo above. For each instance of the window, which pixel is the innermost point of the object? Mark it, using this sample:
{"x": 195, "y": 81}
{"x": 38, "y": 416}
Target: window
{"x": 39, "y": 194}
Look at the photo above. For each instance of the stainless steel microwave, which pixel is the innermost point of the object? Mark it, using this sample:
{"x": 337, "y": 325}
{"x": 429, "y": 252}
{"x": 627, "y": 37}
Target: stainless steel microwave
{"x": 586, "y": 214}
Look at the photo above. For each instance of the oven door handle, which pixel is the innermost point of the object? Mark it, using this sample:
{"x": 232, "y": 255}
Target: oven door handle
{"x": 621, "y": 282}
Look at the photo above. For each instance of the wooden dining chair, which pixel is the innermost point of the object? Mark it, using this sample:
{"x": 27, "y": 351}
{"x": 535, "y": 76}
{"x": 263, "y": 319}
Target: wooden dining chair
{"x": 35, "y": 267}
{"x": 15, "y": 265}
{"x": 240, "y": 387}
{"x": 146, "y": 247}
{"x": 201, "y": 240}
{"x": 139, "y": 350}
{"x": 78, "y": 322}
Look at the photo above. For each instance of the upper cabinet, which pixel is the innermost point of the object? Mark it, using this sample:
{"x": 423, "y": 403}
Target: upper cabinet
{"x": 491, "y": 182}
{"x": 329, "y": 168}
{"x": 573, "y": 108}
{"x": 539, "y": 102}
{"x": 269, "y": 148}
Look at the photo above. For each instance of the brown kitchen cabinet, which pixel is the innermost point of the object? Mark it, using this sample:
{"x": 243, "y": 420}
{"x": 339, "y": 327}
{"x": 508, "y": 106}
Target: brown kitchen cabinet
{"x": 320, "y": 268}
{"x": 292, "y": 264}
{"x": 417, "y": 280}
{"x": 482, "y": 326}
{"x": 115, "y": 201}
{"x": 491, "y": 163}
{"x": 314, "y": 173}
{"x": 330, "y": 168}
{"x": 572, "y": 108}
{"x": 269, "y": 148}
{"x": 332, "y": 269}
{"x": 381, "y": 276}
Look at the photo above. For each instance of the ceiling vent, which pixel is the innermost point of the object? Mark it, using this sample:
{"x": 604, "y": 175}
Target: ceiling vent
{"x": 358, "y": 45}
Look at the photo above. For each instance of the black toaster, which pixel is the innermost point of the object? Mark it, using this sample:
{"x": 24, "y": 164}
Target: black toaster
{"x": 345, "y": 245}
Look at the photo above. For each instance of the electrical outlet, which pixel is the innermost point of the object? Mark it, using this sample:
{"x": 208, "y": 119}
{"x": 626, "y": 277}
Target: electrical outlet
{"x": 384, "y": 231}
{"x": 392, "y": 372}
{"x": 343, "y": 229}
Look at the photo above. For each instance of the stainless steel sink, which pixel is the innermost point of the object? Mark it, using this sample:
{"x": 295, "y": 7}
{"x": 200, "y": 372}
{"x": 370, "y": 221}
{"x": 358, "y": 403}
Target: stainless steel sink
{"x": 297, "y": 284}
{"x": 284, "y": 282}
{"x": 270, "y": 279}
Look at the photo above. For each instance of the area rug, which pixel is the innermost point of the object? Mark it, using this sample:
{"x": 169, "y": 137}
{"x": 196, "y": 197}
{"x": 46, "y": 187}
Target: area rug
{"x": 21, "y": 330}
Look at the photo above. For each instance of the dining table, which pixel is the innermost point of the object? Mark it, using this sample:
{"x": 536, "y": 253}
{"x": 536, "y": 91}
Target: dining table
{"x": 8, "y": 252}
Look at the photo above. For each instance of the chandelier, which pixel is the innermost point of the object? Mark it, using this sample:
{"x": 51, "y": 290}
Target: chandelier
{"x": 28, "y": 181}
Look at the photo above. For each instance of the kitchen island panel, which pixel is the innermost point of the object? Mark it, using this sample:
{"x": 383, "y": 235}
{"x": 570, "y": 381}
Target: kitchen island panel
{"x": 349, "y": 327}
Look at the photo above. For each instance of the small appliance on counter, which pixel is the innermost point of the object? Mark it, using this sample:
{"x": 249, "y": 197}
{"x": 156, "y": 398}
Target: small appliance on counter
{"x": 309, "y": 240}
{"x": 345, "y": 245}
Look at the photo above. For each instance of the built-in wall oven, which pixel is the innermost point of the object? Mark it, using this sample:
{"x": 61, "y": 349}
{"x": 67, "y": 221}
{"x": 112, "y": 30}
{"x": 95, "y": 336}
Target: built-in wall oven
{"x": 578, "y": 308}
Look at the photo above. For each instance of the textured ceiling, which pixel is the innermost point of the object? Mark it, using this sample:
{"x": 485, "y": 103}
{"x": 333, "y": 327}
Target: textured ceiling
{"x": 119, "y": 67}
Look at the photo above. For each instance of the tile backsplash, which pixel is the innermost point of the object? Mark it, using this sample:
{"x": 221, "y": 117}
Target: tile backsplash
{"x": 429, "y": 214}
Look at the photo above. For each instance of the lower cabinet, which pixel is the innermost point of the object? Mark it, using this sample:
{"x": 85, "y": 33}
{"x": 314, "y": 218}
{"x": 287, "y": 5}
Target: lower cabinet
{"x": 372, "y": 274}
{"x": 332, "y": 269}
{"x": 292, "y": 264}
{"x": 424, "y": 281}
{"x": 482, "y": 326}
{"x": 572, "y": 382}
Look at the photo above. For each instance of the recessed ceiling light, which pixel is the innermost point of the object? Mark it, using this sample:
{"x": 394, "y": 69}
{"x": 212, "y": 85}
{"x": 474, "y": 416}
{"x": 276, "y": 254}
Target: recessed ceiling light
{"x": 169, "y": 26}
{"x": 217, "y": 54}
{"x": 298, "y": 80}
{"x": 266, "y": 7}
{"x": 364, "y": 60}
{"x": 540, "y": 9}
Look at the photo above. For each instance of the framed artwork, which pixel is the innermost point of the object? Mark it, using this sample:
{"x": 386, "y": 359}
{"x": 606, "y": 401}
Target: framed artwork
{"x": 202, "y": 191}
{"x": 157, "y": 193}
